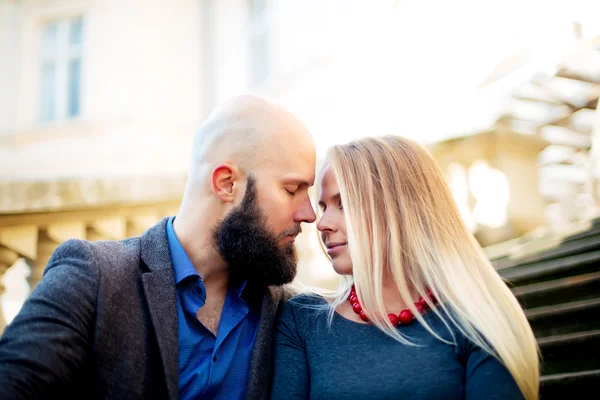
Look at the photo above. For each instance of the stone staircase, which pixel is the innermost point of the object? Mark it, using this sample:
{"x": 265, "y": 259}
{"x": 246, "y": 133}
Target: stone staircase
{"x": 559, "y": 288}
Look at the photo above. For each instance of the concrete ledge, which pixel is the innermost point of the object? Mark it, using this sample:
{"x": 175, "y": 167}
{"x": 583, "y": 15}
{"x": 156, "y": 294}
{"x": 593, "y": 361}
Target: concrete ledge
{"x": 17, "y": 197}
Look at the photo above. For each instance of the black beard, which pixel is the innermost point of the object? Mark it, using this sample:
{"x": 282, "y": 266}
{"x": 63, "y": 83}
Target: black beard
{"x": 250, "y": 249}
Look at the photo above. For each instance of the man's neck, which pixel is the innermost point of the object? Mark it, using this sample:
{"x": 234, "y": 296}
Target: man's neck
{"x": 205, "y": 258}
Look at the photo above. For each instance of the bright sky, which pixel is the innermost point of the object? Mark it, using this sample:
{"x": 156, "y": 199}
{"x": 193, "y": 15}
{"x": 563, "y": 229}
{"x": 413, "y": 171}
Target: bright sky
{"x": 414, "y": 70}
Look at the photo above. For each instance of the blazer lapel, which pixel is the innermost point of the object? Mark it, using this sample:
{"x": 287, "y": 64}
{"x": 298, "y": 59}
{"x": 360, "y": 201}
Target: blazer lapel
{"x": 261, "y": 363}
{"x": 159, "y": 289}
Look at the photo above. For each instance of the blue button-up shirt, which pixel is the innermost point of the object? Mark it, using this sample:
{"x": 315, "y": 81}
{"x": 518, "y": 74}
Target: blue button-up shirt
{"x": 210, "y": 367}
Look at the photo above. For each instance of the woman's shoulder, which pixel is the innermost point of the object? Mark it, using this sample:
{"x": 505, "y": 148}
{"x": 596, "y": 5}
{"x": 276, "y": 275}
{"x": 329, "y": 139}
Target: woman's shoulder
{"x": 306, "y": 301}
{"x": 450, "y": 327}
{"x": 304, "y": 305}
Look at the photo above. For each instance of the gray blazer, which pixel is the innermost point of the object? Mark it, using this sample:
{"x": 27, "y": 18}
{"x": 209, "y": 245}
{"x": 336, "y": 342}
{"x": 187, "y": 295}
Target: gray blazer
{"x": 102, "y": 324}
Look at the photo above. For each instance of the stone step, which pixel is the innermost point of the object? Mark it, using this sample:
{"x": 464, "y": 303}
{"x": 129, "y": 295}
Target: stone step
{"x": 573, "y": 352}
{"x": 572, "y": 385}
{"x": 572, "y": 288}
{"x": 563, "y": 267}
{"x": 587, "y": 242}
{"x": 561, "y": 319}
{"x": 594, "y": 230}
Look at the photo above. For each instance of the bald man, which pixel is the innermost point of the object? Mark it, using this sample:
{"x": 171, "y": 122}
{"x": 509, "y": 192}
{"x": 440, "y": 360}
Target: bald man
{"x": 186, "y": 310}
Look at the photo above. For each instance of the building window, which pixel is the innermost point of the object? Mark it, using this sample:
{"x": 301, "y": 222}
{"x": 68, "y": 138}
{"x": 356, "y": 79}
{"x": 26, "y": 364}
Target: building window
{"x": 61, "y": 69}
{"x": 259, "y": 41}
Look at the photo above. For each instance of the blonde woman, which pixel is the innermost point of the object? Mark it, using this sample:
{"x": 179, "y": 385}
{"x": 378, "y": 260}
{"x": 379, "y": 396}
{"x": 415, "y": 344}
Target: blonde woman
{"x": 423, "y": 314}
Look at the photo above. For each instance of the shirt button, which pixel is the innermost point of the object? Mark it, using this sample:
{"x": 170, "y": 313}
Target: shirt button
{"x": 215, "y": 358}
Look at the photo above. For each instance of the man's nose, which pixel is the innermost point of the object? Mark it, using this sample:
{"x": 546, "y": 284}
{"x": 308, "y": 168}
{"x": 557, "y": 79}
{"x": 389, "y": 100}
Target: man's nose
{"x": 306, "y": 213}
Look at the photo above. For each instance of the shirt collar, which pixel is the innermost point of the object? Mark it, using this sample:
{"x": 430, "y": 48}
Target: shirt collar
{"x": 184, "y": 268}
{"x": 239, "y": 287}
{"x": 182, "y": 265}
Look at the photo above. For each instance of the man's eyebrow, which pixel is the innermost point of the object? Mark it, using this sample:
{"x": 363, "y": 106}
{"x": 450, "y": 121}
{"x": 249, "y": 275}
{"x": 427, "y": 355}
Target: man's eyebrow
{"x": 298, "y": 181}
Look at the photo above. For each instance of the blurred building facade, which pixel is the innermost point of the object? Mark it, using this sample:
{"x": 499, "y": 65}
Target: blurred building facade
{"x": 100, "y": 100}
{"x": 95, "y": 121}
{"x": 99, "y": 103}
{"x": 538, "y": 149}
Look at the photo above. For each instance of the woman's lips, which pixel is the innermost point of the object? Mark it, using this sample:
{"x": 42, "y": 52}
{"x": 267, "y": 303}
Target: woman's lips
{"x": 335, "y": 248}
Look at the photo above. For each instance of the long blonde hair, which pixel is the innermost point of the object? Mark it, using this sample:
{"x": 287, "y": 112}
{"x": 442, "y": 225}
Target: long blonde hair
{"x": 402, "y": 222}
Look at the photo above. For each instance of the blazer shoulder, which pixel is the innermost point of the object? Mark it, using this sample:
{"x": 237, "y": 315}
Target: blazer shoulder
{"x": 79, "y": 248}
{"x": 99, "y": 256}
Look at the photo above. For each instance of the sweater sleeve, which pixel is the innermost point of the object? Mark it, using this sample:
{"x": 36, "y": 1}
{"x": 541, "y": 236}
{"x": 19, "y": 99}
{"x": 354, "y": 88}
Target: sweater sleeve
{"x": 291, "y": 372}
{"x": 486, "y": 377}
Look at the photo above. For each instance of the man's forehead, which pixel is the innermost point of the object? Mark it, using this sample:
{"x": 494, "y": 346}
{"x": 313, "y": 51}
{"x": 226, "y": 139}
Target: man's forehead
{"x": 287, "y": 171}
{"x": 288, "y": 166}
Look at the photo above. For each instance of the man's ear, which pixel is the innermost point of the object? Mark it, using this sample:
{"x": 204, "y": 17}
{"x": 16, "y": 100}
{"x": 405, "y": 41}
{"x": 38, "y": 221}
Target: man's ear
{"x": 224, "y": 180}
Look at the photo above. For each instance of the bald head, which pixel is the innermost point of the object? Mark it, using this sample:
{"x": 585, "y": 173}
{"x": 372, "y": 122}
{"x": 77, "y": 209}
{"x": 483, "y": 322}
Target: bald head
{"x": 247, "y": 131}
{"x": 253, "y": 163}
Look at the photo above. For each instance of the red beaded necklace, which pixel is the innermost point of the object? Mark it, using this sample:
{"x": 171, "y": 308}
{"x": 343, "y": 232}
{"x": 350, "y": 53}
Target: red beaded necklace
{"x": 405, "y": 316}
